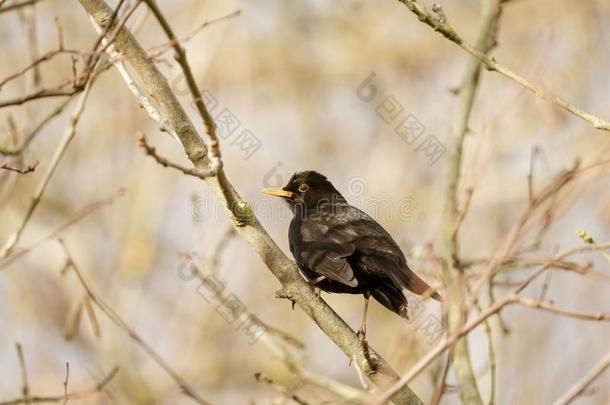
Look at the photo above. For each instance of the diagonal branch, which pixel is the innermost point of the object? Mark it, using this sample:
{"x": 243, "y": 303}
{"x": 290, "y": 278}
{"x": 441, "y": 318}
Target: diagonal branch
{"x": 246, "y": 223}
{"x": 584, "y": 382}
{"x": 438, "y": 22}
{"x": 511, "y": 298}
{"x": 116, "y": 319}
{"x": 59, "y": 153}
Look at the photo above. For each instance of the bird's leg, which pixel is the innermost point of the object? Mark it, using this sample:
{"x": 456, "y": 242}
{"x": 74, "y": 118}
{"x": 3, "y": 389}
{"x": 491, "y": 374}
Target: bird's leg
{"x": 362, "y": 331}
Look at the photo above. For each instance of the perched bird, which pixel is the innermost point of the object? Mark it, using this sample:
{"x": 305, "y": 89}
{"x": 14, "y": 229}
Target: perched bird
{"x": 340, "y": 249}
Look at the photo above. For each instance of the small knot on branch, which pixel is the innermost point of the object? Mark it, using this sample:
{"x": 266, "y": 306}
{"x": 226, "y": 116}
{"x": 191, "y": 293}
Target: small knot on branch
{"x": 282, "y": 293}
{"x": 242, "y": 211}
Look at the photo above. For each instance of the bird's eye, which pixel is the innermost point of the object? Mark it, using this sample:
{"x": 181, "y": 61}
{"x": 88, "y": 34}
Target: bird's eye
{"x": 303, "y": 188}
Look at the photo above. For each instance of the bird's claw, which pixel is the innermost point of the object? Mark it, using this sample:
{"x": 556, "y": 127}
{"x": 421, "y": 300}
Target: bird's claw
{"x": 361, "y": 335}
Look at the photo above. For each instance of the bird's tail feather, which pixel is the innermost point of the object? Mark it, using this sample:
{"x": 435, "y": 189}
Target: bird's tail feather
{"x": 404, "y": 277}
{"x": 392, "y": 298}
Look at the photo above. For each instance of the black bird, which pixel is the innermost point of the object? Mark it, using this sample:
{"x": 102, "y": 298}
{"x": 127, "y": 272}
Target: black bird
{"x": 340, "y": 249}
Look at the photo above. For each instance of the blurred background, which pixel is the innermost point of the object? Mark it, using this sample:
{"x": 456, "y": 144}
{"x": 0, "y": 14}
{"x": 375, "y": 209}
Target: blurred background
{"x": 315, "y": 85}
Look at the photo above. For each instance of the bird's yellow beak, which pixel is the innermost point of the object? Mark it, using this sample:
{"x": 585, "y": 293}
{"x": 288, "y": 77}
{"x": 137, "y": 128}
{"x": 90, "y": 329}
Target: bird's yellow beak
{"x": 278, "y": 192}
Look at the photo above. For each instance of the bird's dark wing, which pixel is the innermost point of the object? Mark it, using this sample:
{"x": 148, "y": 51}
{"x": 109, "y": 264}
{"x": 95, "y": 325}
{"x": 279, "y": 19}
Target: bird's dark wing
{"x": 323, "y": 246}
{"x": 378, "y": 254}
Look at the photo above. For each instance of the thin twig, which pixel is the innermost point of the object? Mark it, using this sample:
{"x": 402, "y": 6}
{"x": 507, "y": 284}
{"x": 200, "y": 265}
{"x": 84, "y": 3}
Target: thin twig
{"x": 511, "y": 298}
{"x": 222, "y": 246}
{"x": 584, "y": 382}
{"x": 213, "y": 148}
{"x": 59, "y": 153}
{"x": 31, "y": 167}
{"x": 32, "y": 134}
{"x": 536, "y": 304}
{"x": 73, "y": 219}
{"x": 66, "y": 383}
{"x": 17, "y": 6}
{"x": 442, "y": 383}
{"x": 491, "y": 356}
{"x": 98, "y": 388}
{"x": 123, "y": 326}
{"x": 151, "y": 151}
{"x": 439, "y": 23}
{"x": 286, "y": 392}
{"x": 25, "y": 390}
{"x": 157, "y": 50}
{"x": 214, "y": 151}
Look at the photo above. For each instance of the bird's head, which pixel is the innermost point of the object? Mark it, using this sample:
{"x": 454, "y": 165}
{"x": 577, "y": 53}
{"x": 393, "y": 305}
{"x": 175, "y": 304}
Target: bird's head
{"x": 307, "y": 189}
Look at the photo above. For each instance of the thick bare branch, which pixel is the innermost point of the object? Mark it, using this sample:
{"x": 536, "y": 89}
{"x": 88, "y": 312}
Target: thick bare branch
{"x": 239, "y": 210}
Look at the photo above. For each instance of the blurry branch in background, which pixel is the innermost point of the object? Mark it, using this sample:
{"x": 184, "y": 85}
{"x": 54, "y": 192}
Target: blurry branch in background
{"x": 540, "y": 205}
{"x": 542, "y": 202}
{"x": 74, "y": 218}
{"x": 156, "y": 51}
{"x": 491, "y": 355}
{"x": 513, "y": 297}
{"x": 537, "y": 304}
{"x": 17, "y": 5}
{"x": 170, "y": 115}
{"x": 293, "y": 358}
{"x": 222, "y": 246}
{"x": 287, "y": 392}
{"x": 27, "y": 16}
{"x": 66, "y": 383}
{"x": 59, "y": 153}
{"x": 438, "y": 22}
{"x": 583, "y": 383}
{"x": 77, "y": 82}
{"x": 441, "y": 384}
{"x": 63, "y": 398}
{"x": 37, "y": 61}
{"x": 32, "y": 134}
{"x": 84, "y": 82}
{"x": 123, "y": 326}
{"x": 452, "y": 216}
{"x": 284, "y": 347}
{"x": 30, "y": 168}
{"x": 44, "y": 93}
{"x": 25, "y": 390}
